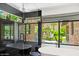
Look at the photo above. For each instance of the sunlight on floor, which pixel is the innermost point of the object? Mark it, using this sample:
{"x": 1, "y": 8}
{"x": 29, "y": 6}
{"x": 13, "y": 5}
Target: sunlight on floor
{"x": 65, "y": 50}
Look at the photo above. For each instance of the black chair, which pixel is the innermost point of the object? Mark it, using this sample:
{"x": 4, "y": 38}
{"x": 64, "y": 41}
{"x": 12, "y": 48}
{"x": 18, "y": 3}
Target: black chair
{"x": 35, "y": 52}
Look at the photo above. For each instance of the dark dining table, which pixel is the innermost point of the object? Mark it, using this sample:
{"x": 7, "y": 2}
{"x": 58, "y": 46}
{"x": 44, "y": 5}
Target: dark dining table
{"x": 22, "y": 48}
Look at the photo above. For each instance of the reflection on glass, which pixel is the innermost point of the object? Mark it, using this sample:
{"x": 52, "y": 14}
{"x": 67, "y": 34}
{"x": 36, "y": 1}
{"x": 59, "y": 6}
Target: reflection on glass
{"x": 27, "y": 28}
{"x": 8, "y": 16}
{"x": 74, "y": 38}
{"x": 32, "y": 20}
{"x": 33, "y": 35}
{"x": 64, "y": 32}
{"x": 69, "y": 33}
{"x": 50, "y": 32}
{"x": 21, "y": 32}
{"x": 8, "y": 32}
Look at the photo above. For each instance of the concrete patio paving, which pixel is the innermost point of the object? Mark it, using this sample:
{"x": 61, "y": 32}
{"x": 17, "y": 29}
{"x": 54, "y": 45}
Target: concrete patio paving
{"x": 64, "y": 50}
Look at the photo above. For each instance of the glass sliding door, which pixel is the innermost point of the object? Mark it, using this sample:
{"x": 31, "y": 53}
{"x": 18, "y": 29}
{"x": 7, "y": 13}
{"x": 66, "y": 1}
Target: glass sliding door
{"x": 50, "y": 32}
{"x": 64, "y": 32}
{"x": 69, "y": 32}
{"x": 74, "y": 33}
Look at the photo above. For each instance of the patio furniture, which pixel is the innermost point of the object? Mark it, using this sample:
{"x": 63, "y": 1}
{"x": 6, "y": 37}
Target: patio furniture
{"x": 20, "y": 48}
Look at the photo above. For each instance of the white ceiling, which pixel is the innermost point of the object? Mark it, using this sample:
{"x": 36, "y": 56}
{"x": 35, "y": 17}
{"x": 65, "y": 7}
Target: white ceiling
{"x": 48, "y": 8}
{"x": 34, "y": 6}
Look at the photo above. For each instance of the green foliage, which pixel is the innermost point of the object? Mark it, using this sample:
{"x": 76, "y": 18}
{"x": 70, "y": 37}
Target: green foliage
{"x": 12, "y": 17}
{"x": 9, "y": 16}
{"x": 47, "y": 30}
{"x": 36, "y": 28}
{"x": 7, "y": 30}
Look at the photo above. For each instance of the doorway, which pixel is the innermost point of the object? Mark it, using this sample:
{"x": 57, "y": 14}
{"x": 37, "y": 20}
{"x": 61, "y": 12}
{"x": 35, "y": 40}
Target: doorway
{"x": 61, "y": 33}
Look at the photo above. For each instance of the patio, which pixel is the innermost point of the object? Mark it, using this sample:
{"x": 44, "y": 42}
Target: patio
{"x": 64, "y": 50}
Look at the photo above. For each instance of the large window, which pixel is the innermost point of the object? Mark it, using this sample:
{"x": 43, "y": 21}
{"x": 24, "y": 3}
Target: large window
{"x": 27, "y": 28}
{"x": 64, "y": 32}
{"x": 8, "y": 32}
{"x": 28, "y": 32}
{"x": 69, "y": 32}
{"x": 50, "y": 32}
{"x": 33, "y": 35}
{"x": 32, "y": 28}
{"x": 74, "y": 33}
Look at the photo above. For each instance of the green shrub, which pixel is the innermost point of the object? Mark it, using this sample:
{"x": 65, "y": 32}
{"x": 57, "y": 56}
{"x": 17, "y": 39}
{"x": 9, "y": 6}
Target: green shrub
{"x": 48, "y": 30}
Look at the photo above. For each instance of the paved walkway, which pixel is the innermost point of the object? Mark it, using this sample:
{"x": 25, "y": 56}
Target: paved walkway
{"x": 52, "y": 50}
